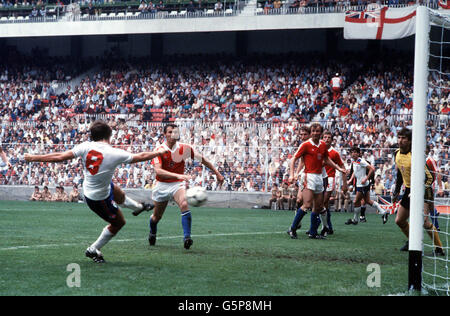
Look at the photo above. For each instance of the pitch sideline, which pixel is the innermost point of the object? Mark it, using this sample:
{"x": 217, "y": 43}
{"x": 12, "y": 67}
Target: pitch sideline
{"x": 128, "y": 240}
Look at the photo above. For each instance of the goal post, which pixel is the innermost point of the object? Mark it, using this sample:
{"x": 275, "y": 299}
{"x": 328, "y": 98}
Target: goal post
{"x": 428, "y": 269}
{"x": 421, "y": 56}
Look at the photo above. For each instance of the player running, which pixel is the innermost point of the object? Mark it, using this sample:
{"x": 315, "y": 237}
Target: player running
{"x": 403, "y": 166}
{"x": 315, "y": 155}
{"x": 332, "y": 183}
{"x": 170, "y": 179}
{"x": 100, "y": 160}
{"x": 362, "y": 171}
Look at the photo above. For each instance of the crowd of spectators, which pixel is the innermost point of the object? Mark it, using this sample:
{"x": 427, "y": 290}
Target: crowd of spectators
{"x": 59, "y": 196}
{"x": 243, "y": 114}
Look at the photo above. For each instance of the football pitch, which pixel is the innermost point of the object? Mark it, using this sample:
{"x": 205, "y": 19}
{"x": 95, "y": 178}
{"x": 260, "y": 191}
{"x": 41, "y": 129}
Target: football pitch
{"x": 236, "y": 252}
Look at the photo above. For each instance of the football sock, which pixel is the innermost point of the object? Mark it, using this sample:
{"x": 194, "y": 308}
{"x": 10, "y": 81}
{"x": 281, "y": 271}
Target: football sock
{"x": 363, "y": 211}
{"x": 103, "y": 239}
{"x": 434, "y": 218}
{"x": 315, "y": 222}
{"x": 153, "y": 226}
{"x": 432, "y": 232}
{"x": 324, "y": 218}
{"x": 131, "y": 204}
{"x": 298, "y": 218}
{"x": 379, "y": 208}
{"x": 186, "y": 221}
{"x": 330, "y": 226}
{"x": 357, "y": 211}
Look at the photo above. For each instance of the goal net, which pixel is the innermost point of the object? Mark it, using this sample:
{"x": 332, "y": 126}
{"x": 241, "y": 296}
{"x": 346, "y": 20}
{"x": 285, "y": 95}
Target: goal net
{"x": 431, "y": 110}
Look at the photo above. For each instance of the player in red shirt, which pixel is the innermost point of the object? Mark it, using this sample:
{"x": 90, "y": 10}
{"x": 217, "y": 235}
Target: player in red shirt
{"x": 432, "y": 167}
{"x": 305, "y": 133}
{"x": 331, "y": 187}
{"x": 315, "y": 154}
{"x": 170, "y": 180}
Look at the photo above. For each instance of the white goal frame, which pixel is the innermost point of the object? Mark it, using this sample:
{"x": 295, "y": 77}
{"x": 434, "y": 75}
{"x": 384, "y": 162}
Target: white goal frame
{"x": 421, "y": 57}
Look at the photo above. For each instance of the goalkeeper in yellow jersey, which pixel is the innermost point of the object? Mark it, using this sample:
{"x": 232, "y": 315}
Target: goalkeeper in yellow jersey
{"x": 403, "y": 165}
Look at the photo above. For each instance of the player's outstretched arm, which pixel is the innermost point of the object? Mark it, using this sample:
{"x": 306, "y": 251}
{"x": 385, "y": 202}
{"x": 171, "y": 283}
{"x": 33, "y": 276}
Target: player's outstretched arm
{"x": 160, "y": 172}
{"x": 148, "y": 155}
{"x": 292, "y": 171}
{"x": 53, "y": 157}
{"x": 211, "y": 167}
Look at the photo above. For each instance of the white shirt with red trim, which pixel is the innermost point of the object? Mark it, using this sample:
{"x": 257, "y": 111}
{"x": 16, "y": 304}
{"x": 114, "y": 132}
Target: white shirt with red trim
{"x": 100, "y": 161}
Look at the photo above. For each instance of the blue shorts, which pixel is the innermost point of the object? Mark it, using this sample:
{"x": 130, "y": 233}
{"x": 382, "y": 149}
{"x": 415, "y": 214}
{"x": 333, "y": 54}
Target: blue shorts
{"x": 107, "y": 208}
{"x": 363, "y": 190}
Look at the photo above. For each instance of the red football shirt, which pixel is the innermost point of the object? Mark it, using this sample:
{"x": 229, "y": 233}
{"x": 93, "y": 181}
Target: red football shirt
{"x": 313, "y": 155}
{"x": 336, "y": 158}
{"x": 432, "y": 166}
{"x": 174, "y": 161}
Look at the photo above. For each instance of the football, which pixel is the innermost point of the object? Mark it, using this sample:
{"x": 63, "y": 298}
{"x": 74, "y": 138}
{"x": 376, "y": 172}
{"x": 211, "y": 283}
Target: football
{"x": 196, "y": 196}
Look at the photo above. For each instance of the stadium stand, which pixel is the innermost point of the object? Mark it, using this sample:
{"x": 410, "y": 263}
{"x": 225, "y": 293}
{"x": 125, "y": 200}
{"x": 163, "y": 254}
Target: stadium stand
{"x": 243, "y": 114}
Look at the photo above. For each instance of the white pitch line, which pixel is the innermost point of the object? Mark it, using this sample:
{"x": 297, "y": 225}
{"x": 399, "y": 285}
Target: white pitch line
{"x": 128, "y": 240}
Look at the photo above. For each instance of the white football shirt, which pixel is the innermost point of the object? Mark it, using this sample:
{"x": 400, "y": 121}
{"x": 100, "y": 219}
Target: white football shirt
{"x": 100, "y": 161}
{"x": 360, "y": 168}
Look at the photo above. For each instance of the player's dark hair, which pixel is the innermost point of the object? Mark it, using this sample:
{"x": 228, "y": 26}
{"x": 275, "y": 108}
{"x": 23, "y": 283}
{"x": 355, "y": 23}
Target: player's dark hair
{"x": 405, "y": 132}
{"x": 315, "y": 125}
{"x": 100, "y": 130}
{"x": 355, "y": 149}
{"x": 327, "y": 132}
{"x": 169, "y": 125}
{"x": 306, "y": 129}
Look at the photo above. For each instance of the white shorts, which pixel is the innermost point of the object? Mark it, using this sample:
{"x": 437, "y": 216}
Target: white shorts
{"x": 164, "y": 191}
{"x": 314, "y": 182}
{"x": 331, "y": 184}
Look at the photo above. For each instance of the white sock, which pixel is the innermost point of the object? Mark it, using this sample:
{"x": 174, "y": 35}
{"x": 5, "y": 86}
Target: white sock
{"x": 379, "y": 208}
{"x": 357, "y": 211}
{"x": 103, "y": 239}
{"x": 324, "y": 219}
{"x": 132, "y": 204}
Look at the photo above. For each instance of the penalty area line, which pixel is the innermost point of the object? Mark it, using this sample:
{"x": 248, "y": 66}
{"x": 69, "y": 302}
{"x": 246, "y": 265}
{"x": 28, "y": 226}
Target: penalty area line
{"x": 139, "y": 239}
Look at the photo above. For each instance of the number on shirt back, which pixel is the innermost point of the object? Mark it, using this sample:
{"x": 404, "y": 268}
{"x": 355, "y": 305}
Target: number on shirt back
{"x": 93, "y": 161}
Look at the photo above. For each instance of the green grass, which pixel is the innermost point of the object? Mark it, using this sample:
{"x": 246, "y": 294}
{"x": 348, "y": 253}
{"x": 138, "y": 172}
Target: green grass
{"x": 235, "y": 252}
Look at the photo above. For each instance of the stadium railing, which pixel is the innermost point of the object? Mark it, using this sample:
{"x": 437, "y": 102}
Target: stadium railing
{"x": 322, "y": 9}
{"x": 178, "y": 9}
{"x": 266, "y": 158}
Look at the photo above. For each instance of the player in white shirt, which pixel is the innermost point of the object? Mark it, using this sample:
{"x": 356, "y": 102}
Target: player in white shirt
{"x": 100, "y": 161}
{"x": 360, "y": 167}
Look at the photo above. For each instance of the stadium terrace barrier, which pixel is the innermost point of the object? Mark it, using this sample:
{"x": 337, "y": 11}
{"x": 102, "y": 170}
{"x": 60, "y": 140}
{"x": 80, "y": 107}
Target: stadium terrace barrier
{"x": 222, "y": 199}
{"x": 322, "y": 9}
{"x": 216, "y": 199}
{"x": 57, "y": 14}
